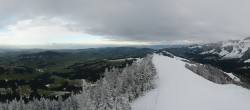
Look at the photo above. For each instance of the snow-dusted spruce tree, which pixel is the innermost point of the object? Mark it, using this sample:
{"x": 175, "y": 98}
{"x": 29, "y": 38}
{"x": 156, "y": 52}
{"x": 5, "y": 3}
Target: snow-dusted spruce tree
{"x": 112, "y": 92}
{"x": 105, "y": 99}
{"x": 44, "y": 104}
{"x": 121, "y": 102}
{"x": 17, "y": 105}
{"x": 71, "y": 103}
{"x": 84, "y": 98}
{"x": 147, "y": 74}
{"x": 127, "y": 82}
{"x": 138, "y": 78}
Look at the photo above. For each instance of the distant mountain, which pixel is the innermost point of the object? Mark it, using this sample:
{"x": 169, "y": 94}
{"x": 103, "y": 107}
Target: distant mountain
{"x": 227, "y": 49}
{"x": 159, "y": 46}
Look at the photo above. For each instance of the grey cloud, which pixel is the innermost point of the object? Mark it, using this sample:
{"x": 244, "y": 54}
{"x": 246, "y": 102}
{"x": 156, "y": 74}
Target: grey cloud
{"x": 140, "y": 20}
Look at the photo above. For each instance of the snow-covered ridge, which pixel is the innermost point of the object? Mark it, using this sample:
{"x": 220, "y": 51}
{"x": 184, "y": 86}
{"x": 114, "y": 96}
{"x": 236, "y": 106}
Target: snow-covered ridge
{"x": 180, "y": 89}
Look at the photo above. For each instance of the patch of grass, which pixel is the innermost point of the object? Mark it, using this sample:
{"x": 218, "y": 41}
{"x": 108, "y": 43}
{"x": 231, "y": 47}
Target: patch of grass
{"x": 24, "y": 76}
{"x": 59, "y": 81}
{"x": 24, "y": 90}
{"x": 5, "y": 91}
{"x": 45, "y": 93}
{"x": 76, "y": 83}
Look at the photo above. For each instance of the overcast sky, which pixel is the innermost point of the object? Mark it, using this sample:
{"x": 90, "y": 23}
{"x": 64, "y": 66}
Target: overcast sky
{"x": 122, "y": 22}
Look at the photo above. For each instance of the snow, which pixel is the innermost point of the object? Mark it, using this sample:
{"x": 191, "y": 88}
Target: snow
{"x": 223, "y": 52}
{"x": 245, "y": 67}
{"x": 180, "y": 89}
{"x": 47, "y": 85}
{"x": 239, "y": 48}
{"x": 138, "y": 60}
{"x": 208, "y": 52}
{"x": 196, "y": 46}
{"x": 233, "y": 77}
{"x": 247, "y": 61}
{"x": 39, "y": 70}
{"x": 235, "y": 53}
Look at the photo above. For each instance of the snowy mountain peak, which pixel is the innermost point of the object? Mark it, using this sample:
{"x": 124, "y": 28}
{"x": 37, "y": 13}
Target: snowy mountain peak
{"x": 227, "y": 49}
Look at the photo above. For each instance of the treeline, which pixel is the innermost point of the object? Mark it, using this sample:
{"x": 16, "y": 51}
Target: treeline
{"x": 114, "y": 91}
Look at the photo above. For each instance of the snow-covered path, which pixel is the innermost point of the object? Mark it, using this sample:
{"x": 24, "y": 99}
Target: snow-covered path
{"x": 180, "y": 89}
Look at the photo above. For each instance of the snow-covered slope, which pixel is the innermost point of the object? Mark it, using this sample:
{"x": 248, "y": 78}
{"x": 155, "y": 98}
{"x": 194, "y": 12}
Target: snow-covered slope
{"x": 180, "y": 89}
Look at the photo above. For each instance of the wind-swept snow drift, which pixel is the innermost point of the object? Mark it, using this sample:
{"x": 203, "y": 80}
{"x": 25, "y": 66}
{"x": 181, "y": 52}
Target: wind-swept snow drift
{"x": 180, "y": 89}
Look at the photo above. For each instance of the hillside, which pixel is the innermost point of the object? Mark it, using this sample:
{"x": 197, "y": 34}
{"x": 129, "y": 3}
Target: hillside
{"x": 180, "y": 89}
{"x": 47, "y": 73}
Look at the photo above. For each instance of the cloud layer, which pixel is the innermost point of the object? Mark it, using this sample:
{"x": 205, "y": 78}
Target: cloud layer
{"x": 137, "y": 20}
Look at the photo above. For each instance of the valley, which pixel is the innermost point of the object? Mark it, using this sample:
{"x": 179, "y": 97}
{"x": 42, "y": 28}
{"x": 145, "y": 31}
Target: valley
{"x": 48, "y": 73}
